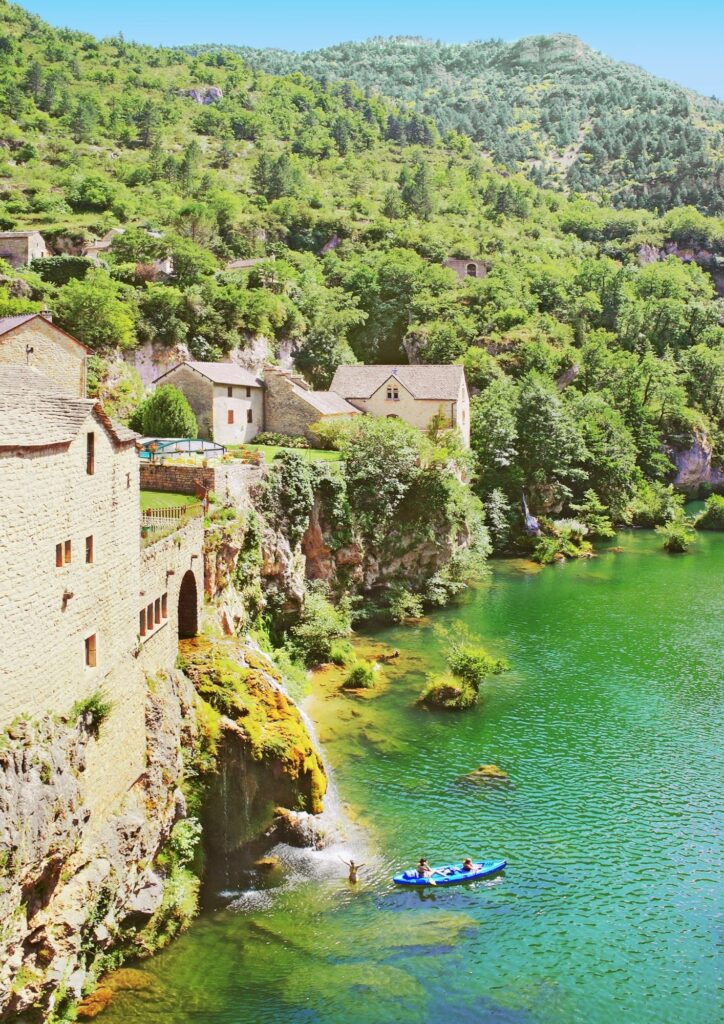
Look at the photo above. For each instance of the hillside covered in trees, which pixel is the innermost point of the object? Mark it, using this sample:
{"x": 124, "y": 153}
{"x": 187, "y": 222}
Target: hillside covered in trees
{"x": 594, "y": 344}
{"x": 548, "y": 105}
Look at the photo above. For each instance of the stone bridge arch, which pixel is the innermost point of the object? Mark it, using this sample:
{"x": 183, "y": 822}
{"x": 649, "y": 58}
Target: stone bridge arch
{"x": 188, "y": 606}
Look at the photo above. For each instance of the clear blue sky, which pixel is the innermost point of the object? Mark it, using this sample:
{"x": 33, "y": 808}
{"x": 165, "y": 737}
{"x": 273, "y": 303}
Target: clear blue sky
{"x": 677, "y": 40}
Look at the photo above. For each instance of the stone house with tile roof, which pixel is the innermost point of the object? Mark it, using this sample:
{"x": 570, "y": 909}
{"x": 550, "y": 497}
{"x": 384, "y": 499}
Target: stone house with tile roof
{"x": 85, "y": 607}
{"x": 32, "y": 339}
{"x": 413, "y": 393}
{"x": 291, "y": 406}
{"x": 227, "y": 400}
{"x": 19, "y": 248}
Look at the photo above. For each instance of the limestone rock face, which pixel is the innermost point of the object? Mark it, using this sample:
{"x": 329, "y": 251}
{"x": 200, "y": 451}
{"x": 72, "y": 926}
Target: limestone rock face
{"x": 206, "y": 96}
{"x": 694, "y": 466}
{"x": 67, "y": 882}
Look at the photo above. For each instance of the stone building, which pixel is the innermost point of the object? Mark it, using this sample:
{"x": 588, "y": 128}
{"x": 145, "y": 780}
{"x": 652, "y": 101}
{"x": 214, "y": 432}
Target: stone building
{"x": 227, "y": 400}
{"x": 85, "y": 609}
{"x": 413, "y": 393}
{"x": 466, "y": 268}
{"x": 291, "y": 407}
{"x": 32, "y": 339}
{"x": 19, "y": 248}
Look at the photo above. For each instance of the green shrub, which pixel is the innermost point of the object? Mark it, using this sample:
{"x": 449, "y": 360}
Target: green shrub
{"x": 97, "y": 706}
{"x": 403, "y": 604}
{"x": 281, "y": 440}
{"x": 473, "y": 664}
{"x": 361, "y": 676}
{"x": 448, "y": 693}
{"x": 677, "y": 535}
{"x": 165, "y": 413}
{"x": 319, "y": 626}
{"x": 712, "y": 518}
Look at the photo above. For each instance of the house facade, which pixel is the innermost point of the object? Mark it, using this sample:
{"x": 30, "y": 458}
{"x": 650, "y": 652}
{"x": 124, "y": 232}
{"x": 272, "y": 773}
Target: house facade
{"x": 466, "y": 268}
{"x": 33, "y": 340}
{"x": 291, "y": 406}
{"x": 86, "y": 608}
{"x": 415, "y": 394}
{"x": 227, "y": 400}
{"x": 19, "y": 248}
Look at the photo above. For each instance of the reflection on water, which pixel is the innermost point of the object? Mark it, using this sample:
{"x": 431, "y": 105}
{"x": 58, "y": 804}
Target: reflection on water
{"x": 608, "y": 726}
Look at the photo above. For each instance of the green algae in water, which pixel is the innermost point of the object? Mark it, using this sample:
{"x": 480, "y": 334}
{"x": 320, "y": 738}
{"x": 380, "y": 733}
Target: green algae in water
{"x": 609, "y": 724}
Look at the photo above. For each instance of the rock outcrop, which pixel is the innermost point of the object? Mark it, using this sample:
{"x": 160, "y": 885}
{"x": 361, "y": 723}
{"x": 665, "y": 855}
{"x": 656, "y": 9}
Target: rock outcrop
{"x": 72, "y": 888}
{"x": 694, "y": 466}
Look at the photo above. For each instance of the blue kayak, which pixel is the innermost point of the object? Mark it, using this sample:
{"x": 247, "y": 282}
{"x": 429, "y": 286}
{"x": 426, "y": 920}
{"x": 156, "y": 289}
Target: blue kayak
{"x": 451, "y": 874}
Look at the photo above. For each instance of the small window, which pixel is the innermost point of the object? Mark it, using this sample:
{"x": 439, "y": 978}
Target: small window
{"x": 149, "y": 616}
{"x": 89, "y": 550}
{"x": 393, "y": 394}
{"x": 248, "y": 392}
{"x": 229, "y": 392}
{"x": 472, "y": 270}
{"x": 164, "y": 606}
{"x": 142, "y": 622}
{"x": 157, "y": 611}
{"x": 67, "y": 553}
{"x": 59, "y": 555}
{"x": 91, "y": 651}
{"x": 90, "y": 453}
{"x": 230, "y": 416}
{"x": 249, "y": 416}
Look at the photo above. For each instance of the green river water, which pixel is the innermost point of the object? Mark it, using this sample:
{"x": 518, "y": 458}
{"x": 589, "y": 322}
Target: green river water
{"x": 609, "y": 726}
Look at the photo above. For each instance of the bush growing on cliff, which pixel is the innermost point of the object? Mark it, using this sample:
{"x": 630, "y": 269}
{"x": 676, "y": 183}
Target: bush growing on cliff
{"x": 288, "y": 497}
{"x": 320, "y": 625}
{"x": 94, "y": 709}
{"x": 165, "y": 413}
{"x": 404, "y": 604}
{"x": 712, "y": 518}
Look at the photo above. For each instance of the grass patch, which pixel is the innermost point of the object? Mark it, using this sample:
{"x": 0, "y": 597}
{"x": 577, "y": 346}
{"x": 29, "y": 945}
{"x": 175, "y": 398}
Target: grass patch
{"x": 270, "y": 451}
{"x": 163, "y": 499}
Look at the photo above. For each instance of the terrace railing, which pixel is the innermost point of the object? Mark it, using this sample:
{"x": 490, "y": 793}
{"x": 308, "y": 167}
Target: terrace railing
{"x": 159, "y": 522}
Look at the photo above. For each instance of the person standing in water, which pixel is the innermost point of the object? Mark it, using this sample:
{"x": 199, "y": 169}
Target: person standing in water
{"x": 353, "y": 869}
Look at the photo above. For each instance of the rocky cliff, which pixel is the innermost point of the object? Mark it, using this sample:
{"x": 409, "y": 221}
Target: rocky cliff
{"x": 77, "y": 897}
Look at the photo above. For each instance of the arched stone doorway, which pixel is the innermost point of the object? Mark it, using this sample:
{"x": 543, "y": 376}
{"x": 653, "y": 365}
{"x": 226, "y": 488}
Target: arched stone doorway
{"x": 188, "y": 607}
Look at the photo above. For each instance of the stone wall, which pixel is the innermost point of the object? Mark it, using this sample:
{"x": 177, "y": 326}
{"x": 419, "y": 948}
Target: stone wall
{"x": 164, "y": 565}
{"x": 464, "y": 268}
{"x": 285, "y": 411}
{"x": 50, "y": 611}
{"x": 55, "y": 354}
{"x": 242, "y": 402}
{"x": 229, "y": 482}
{"x": 18, "y": 249}
{"x": 416, "y": 411}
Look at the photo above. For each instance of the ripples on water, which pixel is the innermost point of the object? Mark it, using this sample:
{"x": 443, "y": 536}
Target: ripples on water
{"x": 609, "y": 727}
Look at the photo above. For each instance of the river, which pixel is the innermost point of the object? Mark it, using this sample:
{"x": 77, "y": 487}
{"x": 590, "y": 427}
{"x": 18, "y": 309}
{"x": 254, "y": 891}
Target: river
{"x": 609, "y": 726}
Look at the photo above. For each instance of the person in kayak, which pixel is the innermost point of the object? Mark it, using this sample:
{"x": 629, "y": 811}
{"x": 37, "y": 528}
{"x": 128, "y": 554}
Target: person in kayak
{"x": 423, "y": 868}
{"x": 353, "y": 870}
{"x": 468, "y": 865}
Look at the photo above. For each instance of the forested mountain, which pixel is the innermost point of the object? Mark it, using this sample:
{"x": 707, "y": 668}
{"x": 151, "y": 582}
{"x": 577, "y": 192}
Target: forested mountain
{"x": 549, "y": 105}
{"x": 592, "y": 349}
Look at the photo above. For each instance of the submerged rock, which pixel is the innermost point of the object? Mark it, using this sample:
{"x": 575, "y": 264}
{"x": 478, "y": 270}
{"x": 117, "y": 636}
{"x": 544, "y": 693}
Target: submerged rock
{"x": 488, "y": 773}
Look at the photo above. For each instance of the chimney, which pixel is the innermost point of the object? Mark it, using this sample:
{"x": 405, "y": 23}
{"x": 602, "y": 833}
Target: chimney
{"x": 47, "y": 314}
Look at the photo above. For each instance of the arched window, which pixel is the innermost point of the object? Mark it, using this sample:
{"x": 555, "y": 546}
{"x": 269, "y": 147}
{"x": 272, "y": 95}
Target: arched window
{"x": 472, "y": 270}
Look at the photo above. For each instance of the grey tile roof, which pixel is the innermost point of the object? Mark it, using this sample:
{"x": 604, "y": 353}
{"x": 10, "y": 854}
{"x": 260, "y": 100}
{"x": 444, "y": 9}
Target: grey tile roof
{"x": 34, "y": 412}
{"x": 431, "y": 381}
{"x": 219, "y": 373}
{"x": 326, "y": 402}
{"x": 7, "y": 323}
